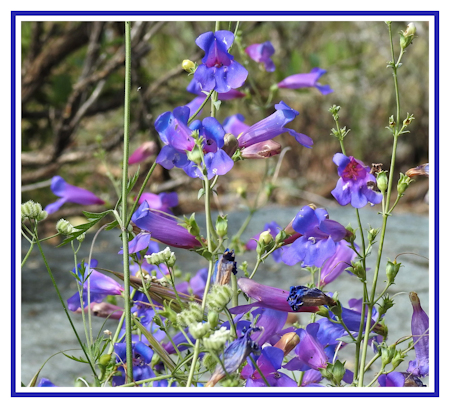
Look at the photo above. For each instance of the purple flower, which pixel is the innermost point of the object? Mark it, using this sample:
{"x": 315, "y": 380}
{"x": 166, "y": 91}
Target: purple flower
{"x": 162, "y": 202}
{"x": 177, "y": 137}
{"x": 354, "y": 185}
{"x": 305, "y": 81}
{"x": 303, "y": 296}
{"x": 142, "y": 356}
{"x": 269, "y": 362}
{"x": 310, "y": 352}
{"x": 234, "y": 355}
{"x": 262, "y": 53}
{"x": 235, "y": 124}
{"x": 421, "y": 338}
{"x": 147, "y": 149}
{"x": 319, "y": 239}
{"x": 422, "y": 170}
{"x": 100, "y": 286}
{"x": 163, "y": 229}
{"x": 337, "y": 263}
{"x": 270, "y": 298}
{"x": 393, "y": 379}
{"x": 273, "y": 126}
{"x": 70, "y": 194}
{"x": 196, "y": 284}
{"x": 219, "y": 71}
{"x": 45, "y": 382}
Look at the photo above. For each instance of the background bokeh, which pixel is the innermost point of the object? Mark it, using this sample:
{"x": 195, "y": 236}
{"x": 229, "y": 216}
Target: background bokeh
{"x": 72, "y": 97}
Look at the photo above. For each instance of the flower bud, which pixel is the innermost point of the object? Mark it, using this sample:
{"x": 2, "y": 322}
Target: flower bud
{"x": 219, "y": 297}
{"x": 391, "y": 121}
{"x": 288, "y": 342}
{"x": 188, "y": 66}
{"x": 222, "y": 226}
{"x": 407, "y": 36}
{"x": 387, "y": 354}
{"x": 372, "y": 234}
{"x": 64, "y": 227}
{"x": 213, "y": 319}
{"x": 261, "y": 150}
{"x": 42, "y": 216}
{"x": 217, "y": 340}
{"x": 358, "y": 270}
{"x": 398, "y": 358}
{"x": 199, "y": 330}
{"x": 230, "y": 144}
{"x": 350, "y": 235}
{"x": 189, "y": 316}
{"x": 403, "y": 184}
{"x": 195, "y": 155}
{"x": 242, "y": 192}
{"x": 265, "y": 238}
{"x": 386, "y": 304}
{"x": 382, "y": 181}
{"x": 104, "y": 359}
{"x": 392, "y": 269}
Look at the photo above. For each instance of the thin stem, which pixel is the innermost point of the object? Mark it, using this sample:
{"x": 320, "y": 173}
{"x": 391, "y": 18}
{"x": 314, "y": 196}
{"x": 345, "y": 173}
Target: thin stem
{"x": 28, "y": 253}
{"x": 126, "y": 142}
{"x": 200, "y": 108}
{"x": 259, "y": 371}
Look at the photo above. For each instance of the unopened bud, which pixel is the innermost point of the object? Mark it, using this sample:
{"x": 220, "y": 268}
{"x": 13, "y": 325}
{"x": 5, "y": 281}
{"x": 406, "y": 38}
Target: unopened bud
{"x": 288, "y": 342}
{"x": 382, "y": 181}
{"x": 230, "y": 144}
{"x": 387, "y": 354}
{"x": 407, "y": 36}
{"x": 189, "y": 316}
{"x": 64, "y": 227}
{"x": 219, "y": 297}
{"x": 386, "y": 304}
{"x": 403, "y": 184}
{"x": 392, "y": 269}
{"x": 188, "y": 66}
{"x": 222, "y": 225}
{"x": 199, "y": 330}
{"x": 195, "y": 155}
{"x": 213, "y": 318}
{"x": 217, "y": 340}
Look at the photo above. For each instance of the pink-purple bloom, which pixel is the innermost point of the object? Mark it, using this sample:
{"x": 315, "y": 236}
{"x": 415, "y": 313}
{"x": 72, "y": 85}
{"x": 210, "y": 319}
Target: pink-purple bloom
{"x": 421, "y": 337}
{"x": 355, "y": 185}
{"x": 311, "y": 79}
{"x": 144, "y": 151}
{"x": 394, "y": 379}
{"x": 161, "y": 202}
{"x": 219, "y": 71}
{"x": 273, "y": 229}
{"x": 161, "y": 228}
{"x": 269, "y": 127}
{"x": 337, "y": 263}
{"x": 319, "y": 239}
{"x": 70, "y": 194}
{"x": 262, "y": 53}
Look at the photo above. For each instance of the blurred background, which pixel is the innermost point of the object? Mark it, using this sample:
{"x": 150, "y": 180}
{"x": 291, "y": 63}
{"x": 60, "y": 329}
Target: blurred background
{"x": 72, "y": 97}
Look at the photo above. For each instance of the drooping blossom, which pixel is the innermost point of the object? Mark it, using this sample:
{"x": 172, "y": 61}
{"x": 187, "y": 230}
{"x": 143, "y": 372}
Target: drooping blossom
{"x": 195, "y": 88}
{"x": 161, "y": 202}
{"x": 273, "y": 229}
{"x": 355, "y": 183}
{"x": 163, "y": 229}
{"x": 298, "y": 81}
{"x": 100, "y": 286}
{"x": 337, "y": 263}
{"x": 70, "y": 194}
{"x": 219, "y": 71}
{"x": 177, "y": 137}
{"x": 318, "y": 241}
{"x": 421, "y": 337}
{"x": 274, "y": 298}
{"x": 147, "y": 149}
{"x": 422, "y": 170}
{"x": 234, "y": 355}
{"x": 262, "y": 53}
{"x": 142, "y": 356}
{"x": 271, "y": 127}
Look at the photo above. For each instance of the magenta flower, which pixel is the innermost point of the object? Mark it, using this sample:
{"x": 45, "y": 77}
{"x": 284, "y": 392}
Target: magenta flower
{"x": 219, "y": 71}
{"x": 337, "y": 263}
{"x": 354, "y": 185}
{"x": 298, "y": 81}
{"x": 421, "y": 337}
{"x": 394, "y": 379}
{"x": 319, "y": 239}
{"x": 161, "y": 202}
{"x": 273, "y": 126}
{"x": 273, "y": 298}
{"x": 163, "y": 229}
{"x": 147, "y": 149}
{"x": 70, "y": 194}
{"x": 262, "y": 53}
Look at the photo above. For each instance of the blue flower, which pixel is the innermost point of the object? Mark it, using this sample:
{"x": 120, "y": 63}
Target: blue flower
{"x": 219, "y": 71}
{"x": 319, "y": 239}
{"x": 262, "y": 53}
{"x": 354, "y": 185}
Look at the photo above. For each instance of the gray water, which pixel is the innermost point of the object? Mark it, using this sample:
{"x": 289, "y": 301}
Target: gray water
{"x": 45, "y": 329}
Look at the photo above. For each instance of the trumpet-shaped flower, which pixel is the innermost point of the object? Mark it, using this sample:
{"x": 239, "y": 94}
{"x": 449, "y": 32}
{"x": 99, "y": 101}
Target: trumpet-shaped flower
{"x": 319, "y": 239}
{"x": 337, "y": 263}
{"x": 262, "y": 53}
{"x": 271, "y": 127}
{"x": 70, "y": 194}
{"x": 355, "y": 183}
{"x": 298, "y": 81}
{"x": 162, "y": 202}
{"x": 219, "y": 71}
{"x": 147, "y": 149}
{"x": 163, "y": 229}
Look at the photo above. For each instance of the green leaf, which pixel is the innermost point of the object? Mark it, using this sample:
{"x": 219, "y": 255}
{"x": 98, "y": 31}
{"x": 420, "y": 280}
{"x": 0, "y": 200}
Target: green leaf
{"x": 95, "y": 216}
{"x": 79, "y": 359}
{"x": 201, "y": 193}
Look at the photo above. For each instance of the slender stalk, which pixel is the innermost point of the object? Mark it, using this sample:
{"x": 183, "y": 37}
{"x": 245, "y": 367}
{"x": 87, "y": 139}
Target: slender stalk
{"x": 28, "y": 253}
{"x": 126, "y": 266}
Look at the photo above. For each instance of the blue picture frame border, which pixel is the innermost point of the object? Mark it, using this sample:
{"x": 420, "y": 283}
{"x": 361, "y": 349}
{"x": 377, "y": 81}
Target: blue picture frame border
{"x": 15, "y": 14}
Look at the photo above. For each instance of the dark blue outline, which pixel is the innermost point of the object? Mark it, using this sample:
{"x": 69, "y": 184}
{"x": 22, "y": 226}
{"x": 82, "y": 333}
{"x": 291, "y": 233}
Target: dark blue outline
{"x": 14, "y": 393}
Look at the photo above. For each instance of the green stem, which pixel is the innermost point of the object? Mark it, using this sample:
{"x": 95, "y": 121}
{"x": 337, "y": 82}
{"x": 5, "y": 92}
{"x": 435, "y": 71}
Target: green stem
{"x": 259, "y": 371}
{"x": 124, "y": 217}
{"x": 65, "y": 308}
{"x": 28, "y": 254}
{"x": 200, "y": 108}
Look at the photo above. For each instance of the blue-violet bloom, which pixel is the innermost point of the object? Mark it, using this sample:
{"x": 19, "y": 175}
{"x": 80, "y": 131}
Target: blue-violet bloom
{"x": 219, "y": 71}
{"x": 355, "y": 183}
{"x": 262, "y": 53}
{"x": 298, "y": 81}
